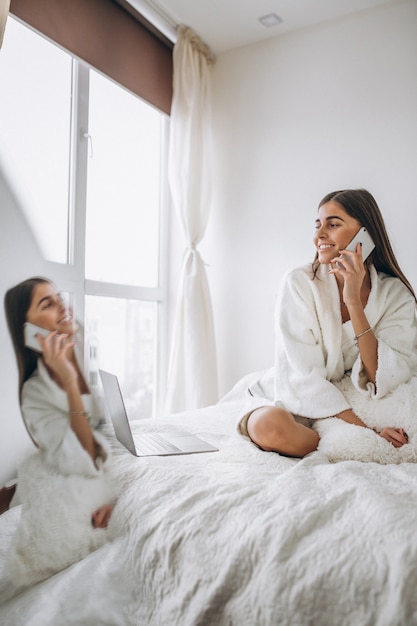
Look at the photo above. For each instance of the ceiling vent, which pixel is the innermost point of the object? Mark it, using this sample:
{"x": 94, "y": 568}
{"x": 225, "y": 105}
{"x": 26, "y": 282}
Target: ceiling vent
{"x": 272, "y": 19}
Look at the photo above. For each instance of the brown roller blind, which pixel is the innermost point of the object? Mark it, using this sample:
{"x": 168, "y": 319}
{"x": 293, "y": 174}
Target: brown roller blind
{"x": 109, "y": 38}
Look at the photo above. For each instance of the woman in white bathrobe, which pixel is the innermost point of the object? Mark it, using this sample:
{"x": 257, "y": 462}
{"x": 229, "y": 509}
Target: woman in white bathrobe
{"x": 340, "y": 316}
{"x": 59, "y": 411}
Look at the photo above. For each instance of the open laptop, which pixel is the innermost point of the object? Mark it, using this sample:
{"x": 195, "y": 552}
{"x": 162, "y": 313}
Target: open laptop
{"x": 149, "y": 444}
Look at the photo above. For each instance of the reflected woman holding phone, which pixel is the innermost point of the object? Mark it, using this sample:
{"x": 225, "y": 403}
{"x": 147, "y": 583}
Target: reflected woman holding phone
{"x": 59, "y": 411}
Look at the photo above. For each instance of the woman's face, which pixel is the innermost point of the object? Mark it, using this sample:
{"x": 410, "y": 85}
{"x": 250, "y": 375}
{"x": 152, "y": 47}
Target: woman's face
{"x": 48, "y": 310}
{"x": 335, "y": 229}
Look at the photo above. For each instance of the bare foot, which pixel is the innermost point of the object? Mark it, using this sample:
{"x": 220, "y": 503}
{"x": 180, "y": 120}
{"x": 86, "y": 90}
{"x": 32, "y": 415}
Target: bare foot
{"x": 101, "y": 517}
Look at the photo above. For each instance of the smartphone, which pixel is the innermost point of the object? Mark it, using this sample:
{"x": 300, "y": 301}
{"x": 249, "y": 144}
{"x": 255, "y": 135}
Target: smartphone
{"x": 363, "y": 237}
{"x": 30, "y": 331}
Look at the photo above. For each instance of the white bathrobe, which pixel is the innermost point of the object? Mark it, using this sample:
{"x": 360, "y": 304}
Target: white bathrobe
{"x": 45, "y": 411}
{"x": 59, "y": 486}
{"x": 314, "y": 350}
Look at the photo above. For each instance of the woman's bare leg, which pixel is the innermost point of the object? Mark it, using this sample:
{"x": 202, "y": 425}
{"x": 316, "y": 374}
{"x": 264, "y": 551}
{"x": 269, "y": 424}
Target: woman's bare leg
{"x": 274, "y": 429}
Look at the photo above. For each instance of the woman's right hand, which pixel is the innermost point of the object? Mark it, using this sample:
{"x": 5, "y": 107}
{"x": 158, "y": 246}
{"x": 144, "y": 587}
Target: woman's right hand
{"x": 56, "y": 355}
{"x": 396, "y": 436}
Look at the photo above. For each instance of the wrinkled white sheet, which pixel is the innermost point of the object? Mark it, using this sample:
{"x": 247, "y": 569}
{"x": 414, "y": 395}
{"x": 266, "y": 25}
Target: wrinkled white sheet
{"x": 240, "y": 537}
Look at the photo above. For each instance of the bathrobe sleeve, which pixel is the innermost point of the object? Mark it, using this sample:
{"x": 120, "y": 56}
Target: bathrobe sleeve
{"x": 45, "y": 411}
{"x": 302, "y": 378}
{"x": 392, "y": 317}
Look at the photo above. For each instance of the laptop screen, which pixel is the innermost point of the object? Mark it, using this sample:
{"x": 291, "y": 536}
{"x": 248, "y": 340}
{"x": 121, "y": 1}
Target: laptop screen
{"x": 117, "y": 410}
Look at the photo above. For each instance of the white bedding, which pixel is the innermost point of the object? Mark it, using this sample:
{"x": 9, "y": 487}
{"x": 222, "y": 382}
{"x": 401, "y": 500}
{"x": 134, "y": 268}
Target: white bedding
{"x": 239, "y": 537}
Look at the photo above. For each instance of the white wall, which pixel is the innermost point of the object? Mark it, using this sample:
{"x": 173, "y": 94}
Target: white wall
{"x": 19, "y": 259}
{"x": 329, "y": 107}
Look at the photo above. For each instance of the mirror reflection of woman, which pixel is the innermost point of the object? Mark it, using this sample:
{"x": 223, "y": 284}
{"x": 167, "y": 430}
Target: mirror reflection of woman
{"x": 59, "y": 411}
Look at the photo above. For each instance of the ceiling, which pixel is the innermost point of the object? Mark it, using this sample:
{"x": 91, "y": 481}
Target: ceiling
{"x": 228, "y": 24}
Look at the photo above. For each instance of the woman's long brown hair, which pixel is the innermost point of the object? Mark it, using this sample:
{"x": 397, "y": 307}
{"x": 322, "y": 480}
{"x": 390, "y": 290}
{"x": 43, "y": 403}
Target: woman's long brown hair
{"x": 16, "y": 303}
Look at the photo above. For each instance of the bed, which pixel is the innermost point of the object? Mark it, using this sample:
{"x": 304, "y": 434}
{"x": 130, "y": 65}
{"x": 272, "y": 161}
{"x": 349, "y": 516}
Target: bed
{"x": 239, "y": 537}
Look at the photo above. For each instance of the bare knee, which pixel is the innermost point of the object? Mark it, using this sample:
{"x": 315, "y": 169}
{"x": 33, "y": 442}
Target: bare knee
{"x": 275, "y": 429}
{"x": 268, "y": 426}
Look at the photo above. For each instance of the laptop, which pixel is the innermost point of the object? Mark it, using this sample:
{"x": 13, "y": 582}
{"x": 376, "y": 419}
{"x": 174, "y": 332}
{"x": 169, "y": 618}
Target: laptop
{"x": 149, "y": 444}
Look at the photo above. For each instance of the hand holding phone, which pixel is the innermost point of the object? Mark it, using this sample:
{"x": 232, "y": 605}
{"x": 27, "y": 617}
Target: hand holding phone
{"x": 31, "y": 340}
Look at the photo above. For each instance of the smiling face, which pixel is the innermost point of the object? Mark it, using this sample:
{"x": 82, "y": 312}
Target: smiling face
{"x": 335, "y": 229}
{"x": 48, "y": 310}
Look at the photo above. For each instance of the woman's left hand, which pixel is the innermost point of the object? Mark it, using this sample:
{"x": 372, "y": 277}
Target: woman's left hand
{"x": 101, "y": 517}
{"x": 396, "y": 436}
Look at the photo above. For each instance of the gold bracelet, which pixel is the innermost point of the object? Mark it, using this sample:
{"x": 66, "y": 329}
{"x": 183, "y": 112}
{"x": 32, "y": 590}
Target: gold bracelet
{"x": 79, "y": 413}
{"x": 368, "y": 330}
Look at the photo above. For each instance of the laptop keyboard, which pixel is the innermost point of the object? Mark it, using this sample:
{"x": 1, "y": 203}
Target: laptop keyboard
{"x": 154, "y": 443}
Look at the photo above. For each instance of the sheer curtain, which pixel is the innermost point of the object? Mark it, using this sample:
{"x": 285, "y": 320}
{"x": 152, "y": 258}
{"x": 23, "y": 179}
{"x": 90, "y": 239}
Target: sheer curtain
{"x": 192, "y": 378}
{"x": 4, "y": 12}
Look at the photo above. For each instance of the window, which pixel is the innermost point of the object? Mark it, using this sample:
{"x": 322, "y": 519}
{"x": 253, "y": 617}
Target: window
{"x": 123, "y": 186}
{"x": 125, "y": 138}
{"x": 88, "y": 159}
{"x": 121, "y": 337}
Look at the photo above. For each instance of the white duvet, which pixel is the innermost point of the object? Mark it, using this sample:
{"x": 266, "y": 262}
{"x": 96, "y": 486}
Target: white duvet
{"x": 240, "y": 537}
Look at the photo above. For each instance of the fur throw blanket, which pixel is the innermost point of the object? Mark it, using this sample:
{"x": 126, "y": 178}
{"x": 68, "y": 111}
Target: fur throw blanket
{"x": 343, "y": 442}
{"x": 55, "y": 528}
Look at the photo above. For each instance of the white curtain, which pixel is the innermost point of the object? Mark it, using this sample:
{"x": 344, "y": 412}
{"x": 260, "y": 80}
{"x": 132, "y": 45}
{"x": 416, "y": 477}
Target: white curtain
{"x": 4, "y": 12}
{"x": 192, "y": 378}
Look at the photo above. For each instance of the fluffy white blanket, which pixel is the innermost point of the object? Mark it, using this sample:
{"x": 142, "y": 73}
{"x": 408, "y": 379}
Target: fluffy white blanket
{"x": 55, "y": 527}
{"x": 342, "y": 442}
